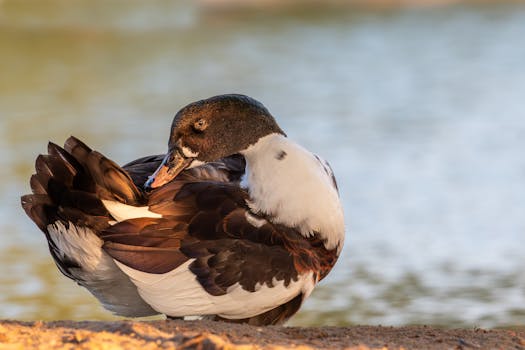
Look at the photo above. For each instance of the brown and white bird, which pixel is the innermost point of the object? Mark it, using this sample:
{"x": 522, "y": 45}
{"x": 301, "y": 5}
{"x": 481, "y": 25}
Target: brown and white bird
{"x": 236, "y": 222}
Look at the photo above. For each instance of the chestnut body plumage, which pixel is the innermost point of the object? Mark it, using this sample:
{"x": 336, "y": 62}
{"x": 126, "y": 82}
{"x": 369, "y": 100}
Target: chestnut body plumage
{"x": 235, "y": 222}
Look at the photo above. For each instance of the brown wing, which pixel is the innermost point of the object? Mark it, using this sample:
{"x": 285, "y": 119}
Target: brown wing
{"x": 208, "y": 222}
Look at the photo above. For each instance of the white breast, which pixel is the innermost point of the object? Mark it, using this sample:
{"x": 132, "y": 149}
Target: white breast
{"x": 295, "y": 188}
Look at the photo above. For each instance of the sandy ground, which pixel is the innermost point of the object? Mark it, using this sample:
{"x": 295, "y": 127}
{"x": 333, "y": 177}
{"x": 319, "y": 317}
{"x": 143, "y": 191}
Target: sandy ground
{"x": 218, "y": 335}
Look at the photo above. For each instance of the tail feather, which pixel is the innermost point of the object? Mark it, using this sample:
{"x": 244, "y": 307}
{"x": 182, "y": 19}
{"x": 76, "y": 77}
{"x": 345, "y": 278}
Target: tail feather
{"x": 76, "y": 148}
{"x": 35, "y": 206}
{"x": 110, "y": 181}
{"x": 37, "y": 184}
{"x": 70, "y": 184}
{"x": 69, "y": 187}
{"x": 70, "y": 161}
{"x": 113, "y": 182}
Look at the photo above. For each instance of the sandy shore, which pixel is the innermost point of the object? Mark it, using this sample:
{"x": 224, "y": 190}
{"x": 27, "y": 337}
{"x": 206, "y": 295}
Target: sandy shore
{"x": 218, "y": 335}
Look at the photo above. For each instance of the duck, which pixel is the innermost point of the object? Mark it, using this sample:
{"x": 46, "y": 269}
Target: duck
{"x": 235, "y": 222}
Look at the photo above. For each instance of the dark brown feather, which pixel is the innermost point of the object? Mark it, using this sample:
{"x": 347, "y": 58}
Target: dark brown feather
{"x": 113, "y": 181}
{"x": 152, "y": 259}
{"x": 140, "y": 169}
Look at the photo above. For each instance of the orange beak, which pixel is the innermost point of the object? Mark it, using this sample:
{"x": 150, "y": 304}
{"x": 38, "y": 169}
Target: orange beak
{"x": 171, "y": 166}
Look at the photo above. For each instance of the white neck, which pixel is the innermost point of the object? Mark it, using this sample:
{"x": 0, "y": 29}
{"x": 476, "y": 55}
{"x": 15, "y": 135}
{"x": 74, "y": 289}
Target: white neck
{"x": 295, "y": 188}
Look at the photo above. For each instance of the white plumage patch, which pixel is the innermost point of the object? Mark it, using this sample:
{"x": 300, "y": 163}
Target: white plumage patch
{"x": 77, "y": 243}
{"x": 294, "y": 187}
{"x": 121, "y": 212}
{"x": 195, "y": 163}
{"x": 188, "y": 152}
{"x": 97, "y": 272}
{"x": 255, "y": 221}
{"x": 178, "y": 293}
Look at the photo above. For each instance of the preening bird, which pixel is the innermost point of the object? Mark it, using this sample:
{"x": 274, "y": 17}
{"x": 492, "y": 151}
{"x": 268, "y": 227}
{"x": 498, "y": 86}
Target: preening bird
{"x": 235, "y": 222}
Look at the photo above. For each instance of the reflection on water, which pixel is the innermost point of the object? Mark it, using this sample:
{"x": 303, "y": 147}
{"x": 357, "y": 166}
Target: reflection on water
{"x": 419, "y": 111}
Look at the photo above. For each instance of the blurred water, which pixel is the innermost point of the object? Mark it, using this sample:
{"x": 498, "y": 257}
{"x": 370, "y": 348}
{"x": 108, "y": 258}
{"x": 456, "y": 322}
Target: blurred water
{"x": 419, "y": 111}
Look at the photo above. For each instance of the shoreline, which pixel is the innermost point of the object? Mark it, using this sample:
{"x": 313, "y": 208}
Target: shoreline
{"x": 166, "y": 334}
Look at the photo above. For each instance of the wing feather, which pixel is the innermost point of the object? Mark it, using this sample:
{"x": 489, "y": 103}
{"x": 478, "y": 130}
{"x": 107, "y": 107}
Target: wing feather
{"x": 206, "y": 222}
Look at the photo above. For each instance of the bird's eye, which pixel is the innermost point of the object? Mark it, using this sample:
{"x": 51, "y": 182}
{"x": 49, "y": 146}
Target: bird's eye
{"x": 200, "y": 125}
